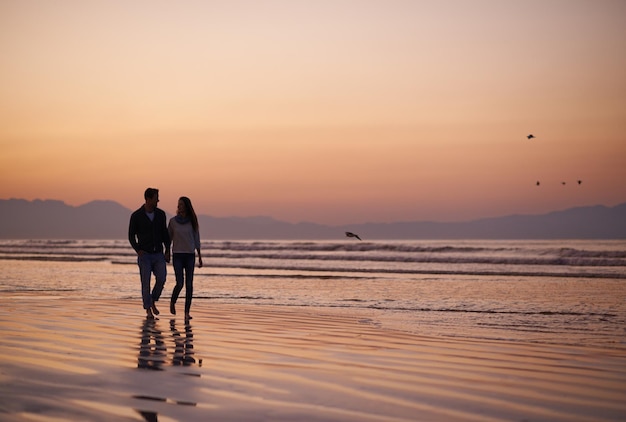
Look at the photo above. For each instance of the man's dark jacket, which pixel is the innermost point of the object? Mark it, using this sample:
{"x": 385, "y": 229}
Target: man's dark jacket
{"x": 148, "y": 236}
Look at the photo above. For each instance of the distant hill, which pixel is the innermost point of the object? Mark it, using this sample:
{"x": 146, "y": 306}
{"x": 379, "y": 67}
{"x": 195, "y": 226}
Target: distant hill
{"x": 51, "y": 219}
{"x": 597, "y": 222}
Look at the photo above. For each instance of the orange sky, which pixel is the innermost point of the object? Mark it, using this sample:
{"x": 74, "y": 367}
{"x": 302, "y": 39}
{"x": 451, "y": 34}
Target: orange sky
{"x": 335, "y": 112}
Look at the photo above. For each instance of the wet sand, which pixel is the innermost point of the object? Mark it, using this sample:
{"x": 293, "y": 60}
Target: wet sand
{"x": 103, "y": 361}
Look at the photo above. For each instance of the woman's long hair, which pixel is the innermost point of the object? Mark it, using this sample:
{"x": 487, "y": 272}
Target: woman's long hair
{"x": 191, "y": 214}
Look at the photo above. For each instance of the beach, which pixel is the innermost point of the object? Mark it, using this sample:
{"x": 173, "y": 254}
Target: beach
{"x": 101, "y": 360}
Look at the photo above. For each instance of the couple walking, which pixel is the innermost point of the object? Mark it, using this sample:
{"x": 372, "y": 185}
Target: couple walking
{"x": 151, "y": 238}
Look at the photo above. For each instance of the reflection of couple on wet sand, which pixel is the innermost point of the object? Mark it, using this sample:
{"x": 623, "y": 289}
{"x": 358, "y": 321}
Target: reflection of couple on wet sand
{"x": 153, "y": 349}
{"x": 183, "y": 347}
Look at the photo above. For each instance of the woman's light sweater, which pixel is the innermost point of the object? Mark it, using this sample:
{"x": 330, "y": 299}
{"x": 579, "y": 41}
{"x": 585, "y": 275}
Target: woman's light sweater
{"x": 184, "y": 238}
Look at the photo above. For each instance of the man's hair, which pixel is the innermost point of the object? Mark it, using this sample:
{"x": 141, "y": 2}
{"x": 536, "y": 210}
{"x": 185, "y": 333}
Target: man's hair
{"x": 150, "y": 192}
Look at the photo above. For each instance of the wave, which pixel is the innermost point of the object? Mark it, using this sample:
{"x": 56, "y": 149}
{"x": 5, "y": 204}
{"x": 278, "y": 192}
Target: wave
{"x": 463, "y": 246}
{"x": 595, "y": 259}
{"x": 546, "y": 261}
{"x": 406, "y": 248}
{"x": 599, "y": 259}
{"x": 573, "y": 261}
{"x": 417, "y": 247}
{"x": 508, "y": 273}
{"x": 52, "y": 258}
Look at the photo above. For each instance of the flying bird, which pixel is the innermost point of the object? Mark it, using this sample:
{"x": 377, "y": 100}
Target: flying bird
{"x": 350, "y": 234}
{"x": 580, "y": 182}
{"x": 538, "y": 183}
{"x": 531, "y": 136}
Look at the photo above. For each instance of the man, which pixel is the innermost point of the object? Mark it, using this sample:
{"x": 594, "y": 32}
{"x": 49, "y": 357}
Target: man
{"x": 147, "y": 234}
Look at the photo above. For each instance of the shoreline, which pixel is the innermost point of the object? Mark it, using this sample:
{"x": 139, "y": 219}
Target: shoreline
{"x": 102, "y": 360}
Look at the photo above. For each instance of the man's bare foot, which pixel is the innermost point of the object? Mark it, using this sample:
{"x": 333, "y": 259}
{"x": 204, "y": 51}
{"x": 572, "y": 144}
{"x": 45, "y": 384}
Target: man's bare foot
{"x": 154, "y": 309}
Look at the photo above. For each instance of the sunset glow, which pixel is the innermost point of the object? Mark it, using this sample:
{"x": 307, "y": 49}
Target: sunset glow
{"x": 330, "y": 111}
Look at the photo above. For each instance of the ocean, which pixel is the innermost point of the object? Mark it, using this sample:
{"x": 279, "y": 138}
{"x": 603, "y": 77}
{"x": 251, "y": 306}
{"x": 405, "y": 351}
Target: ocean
{"x": 557, "y": 292}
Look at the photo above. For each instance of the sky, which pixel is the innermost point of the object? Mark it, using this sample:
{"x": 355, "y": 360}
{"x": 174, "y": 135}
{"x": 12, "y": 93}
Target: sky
{"x": 327, "y": 111}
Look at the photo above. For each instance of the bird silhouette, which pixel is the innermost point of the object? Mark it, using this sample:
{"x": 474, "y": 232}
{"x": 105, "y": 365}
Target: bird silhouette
{"x": 580, "y": 182}
{"x": 350, "y": 234}
{"x": 531, "y": 136}
{"x": 563, "y": 183}
{"x": 538, "y": 183}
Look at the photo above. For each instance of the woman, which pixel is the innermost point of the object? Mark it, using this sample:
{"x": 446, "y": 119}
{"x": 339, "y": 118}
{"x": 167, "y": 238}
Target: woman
{"x": 185, "y": 235}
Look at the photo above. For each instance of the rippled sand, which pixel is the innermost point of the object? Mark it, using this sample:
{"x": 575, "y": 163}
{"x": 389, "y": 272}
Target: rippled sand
{"x": 102, "y": 361}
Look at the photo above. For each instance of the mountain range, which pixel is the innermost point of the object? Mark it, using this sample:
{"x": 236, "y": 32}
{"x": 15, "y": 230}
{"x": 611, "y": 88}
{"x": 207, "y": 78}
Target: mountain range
{"x": 53, "y": 219}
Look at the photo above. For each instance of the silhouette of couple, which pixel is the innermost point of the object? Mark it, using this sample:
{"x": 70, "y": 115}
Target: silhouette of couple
{"x": 150, "y": 237}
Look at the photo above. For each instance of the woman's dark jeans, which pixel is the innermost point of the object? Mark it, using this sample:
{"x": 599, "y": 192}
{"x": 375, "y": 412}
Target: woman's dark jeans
{"x": 183, "y": 270}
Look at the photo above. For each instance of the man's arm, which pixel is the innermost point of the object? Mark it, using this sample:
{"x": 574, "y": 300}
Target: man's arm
{"x": 132, "y": 231}
{"x": 165, "y": 236}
